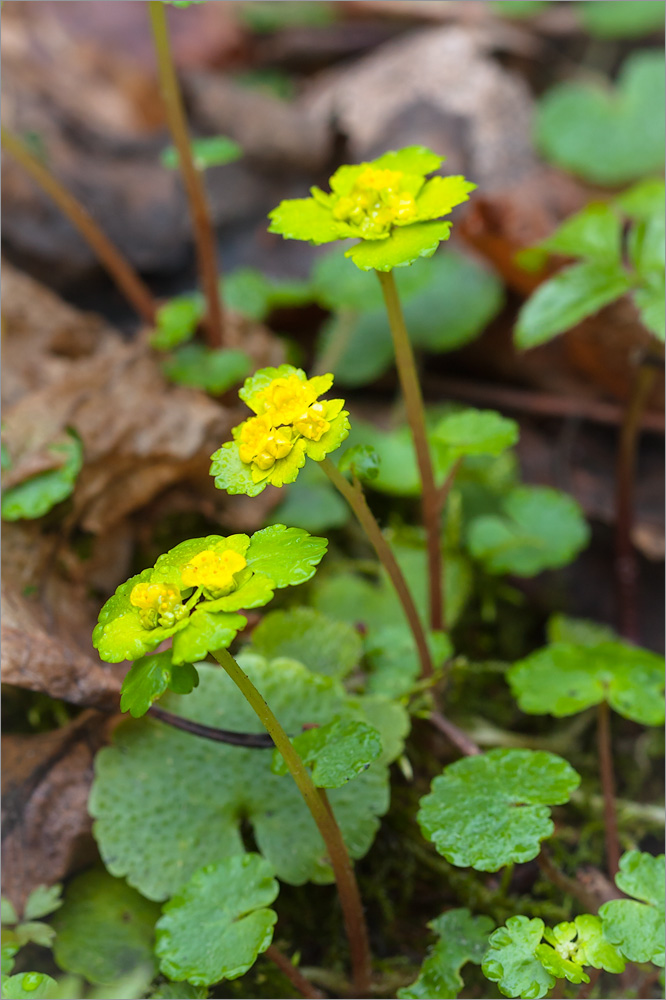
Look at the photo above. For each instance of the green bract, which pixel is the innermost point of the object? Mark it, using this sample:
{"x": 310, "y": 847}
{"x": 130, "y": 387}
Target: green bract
{"x": 194, "y": 591}
{"x": 492, "y": 809}
{"x": 387, "y": 203}
{"x": 563, "y": 679}
{"x": 637, "y": 928}
{"x": 157, "y": 820}
{"x": 219, "y": 922}
{"x": 290, "y": 425}
{"x": 462, "y": 938}
{"x": 148, "y": 679}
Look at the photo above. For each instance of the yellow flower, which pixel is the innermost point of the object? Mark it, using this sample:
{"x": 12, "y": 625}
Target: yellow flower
{"x": 214, "y": 571}
{"x": 312, "y": 424}
{"x": 376, "y": 202}
{"x": 261, "y": 444}
{"x": 158, "y": 603}
{"x": 286, "y": 400}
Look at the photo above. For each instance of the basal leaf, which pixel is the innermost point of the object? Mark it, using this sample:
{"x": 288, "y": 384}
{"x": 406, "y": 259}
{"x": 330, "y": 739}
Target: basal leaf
{"x": 569, "y": 297}
{"x": 211, "y": 369}
{"x": 336, "y": 752}
{"x": 563, "y": 679}
{"x": 35, "y": 496}
{"x": 519, "y": 9}
{"x": 462, "y": 938}
{"x": 219, "y": 922}
{"x": 336, "y": 285}
{"x": 637, "y": 928}
{"x": 179, "y": 991}
{"x": 105, "y": 929}
{"x": 177, "y": 321}
{"x": 578, "y": 631}
{"x": 492, "y": 809}
{"x": 29, "y": 986}
{"x": 288, "y": 556}
{"x": 511, "y": 961}
{"x": 475, "y": 432}
{"x": 156, "y": 779}
{"x": 254, "y": 294}
{"x": 324, "y": 645}
{"x": 393, "y": 658}
{"x": 607, "y": 135}
{"x": 404, "y": 246}
{"x": 541, "y": 529}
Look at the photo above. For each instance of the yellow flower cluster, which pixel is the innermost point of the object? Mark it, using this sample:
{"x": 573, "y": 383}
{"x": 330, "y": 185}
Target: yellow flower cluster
{"x": 288, "y": 409}
{"x": 158, "y": 603}
{"x": 376, "y": 201}
{"x": 214, "y": 571}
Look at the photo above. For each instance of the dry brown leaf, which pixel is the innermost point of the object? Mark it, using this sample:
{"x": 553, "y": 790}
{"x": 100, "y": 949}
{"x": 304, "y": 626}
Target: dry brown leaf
{"x": 46, "y": 829}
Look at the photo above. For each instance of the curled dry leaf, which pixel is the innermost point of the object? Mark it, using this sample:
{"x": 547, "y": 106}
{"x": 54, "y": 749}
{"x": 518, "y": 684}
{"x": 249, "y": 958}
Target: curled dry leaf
{"x": 45, "y": 824}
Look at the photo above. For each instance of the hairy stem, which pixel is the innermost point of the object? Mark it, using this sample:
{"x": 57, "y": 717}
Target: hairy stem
{"x": 350, "y": 899}
{"x": 626, "y": 568}
{"x": 411, "y": 389}
{"x": 355, "y": 497}
{"x": 293, "y": 973}
{"x": 204, "y": 234}
{"x": 605, "y": 748}
{"x": 122, "y": 272}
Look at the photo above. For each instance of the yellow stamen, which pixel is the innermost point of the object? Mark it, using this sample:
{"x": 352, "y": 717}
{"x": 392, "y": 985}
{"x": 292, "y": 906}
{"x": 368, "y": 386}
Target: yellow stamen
{"x": 214, "y": 571}
{"x": 376, "y": 201}
{"x": 158, "y": 603}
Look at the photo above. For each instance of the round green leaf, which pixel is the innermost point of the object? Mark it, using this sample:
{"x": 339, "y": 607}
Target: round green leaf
{"x": 622, "y": 18}
{"x": 542, "y": 529}
{"x": 177, "y": 321}
{"x": 322, "y": 644}
{"x": 475, "y": 432}
{"x": 336, "y": 752}
{"x": 36, "y": 496}
{"x": 211, "y": 369}
{"x": 104, "y": 929}
{"x": 337, "y": 285}
{"x": 511, "y": 961}
{"x": 156, "y": 819}
{"x": 404, "y": 246}
{"x": 462, "y": 938}
{"x": 637, "y": 928}
{"x": 607, "y": 135}
{"x": 288, "y": 556}
{"x": 219, "y": 922}
{"x": 492, "y": 809}
{"x": 393, "y": 658}
{"x": 563, "y": 679}
{"x": 29, "y": 986}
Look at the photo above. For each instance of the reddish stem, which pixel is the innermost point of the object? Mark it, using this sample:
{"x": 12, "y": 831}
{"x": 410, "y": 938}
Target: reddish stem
{"x": 608, "y": 788}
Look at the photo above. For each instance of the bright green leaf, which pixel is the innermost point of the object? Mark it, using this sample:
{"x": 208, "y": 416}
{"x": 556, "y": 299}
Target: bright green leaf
{"x": 650, "y": 301}
{"x": 393, "y": 658}
{"x": 36, "y": 496}
{"x": 28, "y": 986}
{"x": 322, "y": 644}
{"x": 336, "y": 752}
{"x": 637, "y": 928}
{"x": 306, "y": 219}
{"x": 643, "y": 200}
{"x": 208, "y": 151}
{"x": 211, "y": 369}
{"x": 569, "y": 297}
{"x": 105, "y": 929}
{"x": 219, "y": 922}
{"x": 177, "y": 321}
{"x": 578, "y": 631}
{"x": 461, "y": 938}
{"x": 404, "y": 246}
{"x": 148, "y": 679}
{"x": 621, "y": 18}
{"x": 156, "y": 778}
{"x": 7, "y": 951}
{"x": 541, "y": 529}
{"x": 288, "y": 556}
{"x": 519, "y": 9}
{"x": 492, "y": 809}
{"x": 475, "y": 432}
{"x": 607, "y": 135}
{"x": 43, "y": 900}
{"x": 594, "y": 233}
{"x": 511, "y": 961}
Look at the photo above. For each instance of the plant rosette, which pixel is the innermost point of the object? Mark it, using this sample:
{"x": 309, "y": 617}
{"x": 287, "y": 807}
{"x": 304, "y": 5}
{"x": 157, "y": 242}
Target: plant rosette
{"x": 387, "y": 203}
{"x": 194, "y": 592}
{"x": 290, "y": 424}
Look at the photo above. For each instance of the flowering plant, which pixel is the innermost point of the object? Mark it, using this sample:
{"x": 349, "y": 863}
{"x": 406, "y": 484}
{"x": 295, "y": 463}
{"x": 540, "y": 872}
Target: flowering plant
{"x": 387, "y": 203}
{"x": 290, "y": 424}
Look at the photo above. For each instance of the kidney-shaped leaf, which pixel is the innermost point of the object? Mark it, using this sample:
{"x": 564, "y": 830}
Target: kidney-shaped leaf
{"x": 28, "y": 986}
{"x": 475, "y": 432}
{"x": 219, "y": 922}
{"x": 637, "y": 928}
{"x": 322, "y": 644}
{"x": 492, "y": 809}
{"x": 462, "y": 938}
{"x": 167, "y": 803}
{"x": 563, "y": 679}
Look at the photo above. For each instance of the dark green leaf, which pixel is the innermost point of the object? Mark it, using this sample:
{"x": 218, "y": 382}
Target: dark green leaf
{"x": 177, "y": 321}
{"x": 322, "y": 644}
{"x": 219, "y": 922}
{"x": 492, "y": 809}
{"x": 209, "y": 151}
{"x": 607, "y": 135}
{"x": 213, "y": 370}
{"x": 105, "y": 929}
{"x": 462, "y": 938}
{"x": 36, "y": 496}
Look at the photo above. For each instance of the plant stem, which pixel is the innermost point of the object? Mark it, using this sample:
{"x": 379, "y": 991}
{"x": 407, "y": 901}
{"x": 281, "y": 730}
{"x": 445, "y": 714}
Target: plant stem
{"x": 568, "y": 885}
{"x": 411, "y": 389}
{"x": 293, "y": 974}
{"x": 204, "y": 234}
{"x": 445, "y": 488}
{"x": 256, "y": 741}
{"x": 608, "y": 788}
{"x": 122, "y": 272}
{"x": 465, "y": 743}
{"x": 355, "y": 497}
{"x": 626, "y": 568}
{"x": 350, "y": 899}
{"x": 586, "y": 989}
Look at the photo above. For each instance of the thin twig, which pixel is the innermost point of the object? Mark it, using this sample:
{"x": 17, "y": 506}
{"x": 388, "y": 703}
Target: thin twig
{"x": 568, "y": 885}
{"x": 626, "y": 566}
{"x": 204, "y": 233}
{"x": 293, "y": 974}
{"x": 605, "y": 748}
{"x": 461, "y": 740}
{"x": 128, "y": 281}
